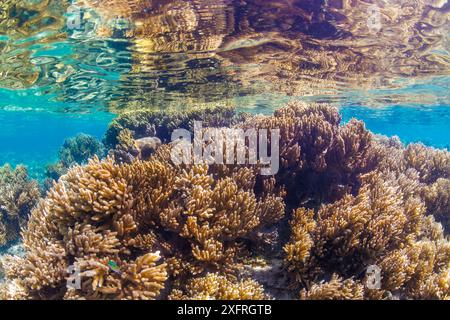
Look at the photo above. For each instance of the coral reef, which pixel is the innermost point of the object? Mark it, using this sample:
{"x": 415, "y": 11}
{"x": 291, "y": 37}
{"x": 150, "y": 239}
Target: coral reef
{"x": 76, "y": 150}
{"x": 335, "y": 289}
{"x": 161, "y": 124}
{"x": 104, "y": 212}
{"x": 380, "y": 226}
{"x": 18, "y": 196}
{"x": 216, "y": 287}
{"x": 421, "y": 171}
{"x": 142, "y": 227}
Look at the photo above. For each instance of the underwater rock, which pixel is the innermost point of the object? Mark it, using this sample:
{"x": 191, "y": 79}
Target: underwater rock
{"x": 147, "y": 146}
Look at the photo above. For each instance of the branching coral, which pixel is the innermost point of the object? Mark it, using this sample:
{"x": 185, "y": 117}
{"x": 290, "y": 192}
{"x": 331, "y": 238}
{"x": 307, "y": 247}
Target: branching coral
{"x": 433, "y": 168}
{"x": 437, "y": 198}
{"x": 216, "y": 287}
{"x": 147, "y": 229}
{"x": 106, "y": 212}
{"x": 129, "y": 149}
{"x": 76, "y": 150}
{"x": 335, "y": 289}
{"x": 353, "y": 231}
{"x": 320, "y": 160}
{"x": 421, "y": 171}
{"x": 377, "y": 227}
{"x": 430, "y": 163}
{"x": 419, "y": 271}
{"x": 18, "y": 196}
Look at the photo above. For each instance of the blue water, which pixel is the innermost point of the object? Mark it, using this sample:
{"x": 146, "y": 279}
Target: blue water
{"x": 34, "y": 137}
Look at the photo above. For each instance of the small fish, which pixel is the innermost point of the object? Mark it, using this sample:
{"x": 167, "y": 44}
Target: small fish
{"x": 114, "y": 267}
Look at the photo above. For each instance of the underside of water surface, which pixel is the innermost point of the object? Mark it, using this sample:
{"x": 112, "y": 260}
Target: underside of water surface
{"x": 352, "y": 98}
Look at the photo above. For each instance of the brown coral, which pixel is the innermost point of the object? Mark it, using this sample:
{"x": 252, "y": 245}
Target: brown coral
{"x": 437, "y": 198}
{"x": 419, "y": 271}
{"x": 353, "y": 231}
{"x": 216, "y": 287}
{"x": 161, "y": 124}
{"x": 335, "y": 289}
{"x": 421, "y": 171}
{"x": 106, "y": 212}
{"x": 360, "y": 201}
{"x": 18, "y": 195}
{"x": 381, "y": 227}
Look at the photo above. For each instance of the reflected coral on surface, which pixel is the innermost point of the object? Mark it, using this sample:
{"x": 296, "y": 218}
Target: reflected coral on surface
{"x": 343, "y": 200}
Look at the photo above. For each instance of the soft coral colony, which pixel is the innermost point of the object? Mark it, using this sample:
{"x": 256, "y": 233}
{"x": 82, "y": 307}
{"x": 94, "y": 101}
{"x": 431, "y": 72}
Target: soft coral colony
{"x": 343, "y": 200}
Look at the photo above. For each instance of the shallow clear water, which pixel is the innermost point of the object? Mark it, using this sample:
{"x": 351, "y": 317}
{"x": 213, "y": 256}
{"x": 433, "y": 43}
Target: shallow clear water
{"x": 69, "y": 67}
